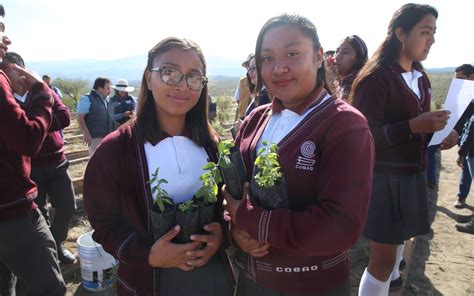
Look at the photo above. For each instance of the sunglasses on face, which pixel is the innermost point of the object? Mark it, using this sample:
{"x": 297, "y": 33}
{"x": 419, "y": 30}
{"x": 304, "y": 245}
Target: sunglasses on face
{"x": 171, "y": 76}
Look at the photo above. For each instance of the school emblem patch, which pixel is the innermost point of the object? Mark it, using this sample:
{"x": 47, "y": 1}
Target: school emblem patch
{"x": 306, "y": 160}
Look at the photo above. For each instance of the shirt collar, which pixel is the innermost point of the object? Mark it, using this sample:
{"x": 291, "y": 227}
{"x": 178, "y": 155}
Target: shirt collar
{"x": 20, "y": 97}
{"x": 311, "y": 100}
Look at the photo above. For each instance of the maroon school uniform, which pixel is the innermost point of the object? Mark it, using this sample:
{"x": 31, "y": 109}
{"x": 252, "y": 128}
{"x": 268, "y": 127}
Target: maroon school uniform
{"x": 118, "y": 201}
{"x": 399, "y": 209}
{"x": 328, "y": 191}
{"x": 52, "y": 150}
{"x": 21, "y": 137}
{"x": 388, "y": 103}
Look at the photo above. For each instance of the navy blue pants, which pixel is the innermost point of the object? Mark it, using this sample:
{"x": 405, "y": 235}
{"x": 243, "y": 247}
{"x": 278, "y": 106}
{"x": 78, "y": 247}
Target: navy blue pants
{"x": 465, "y": 182}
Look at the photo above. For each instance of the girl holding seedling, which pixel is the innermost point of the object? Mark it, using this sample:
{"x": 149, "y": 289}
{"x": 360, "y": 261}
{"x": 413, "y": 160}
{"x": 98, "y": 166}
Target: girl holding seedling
{"x": 154, "y": 163}
{"x": 299, "y": 244}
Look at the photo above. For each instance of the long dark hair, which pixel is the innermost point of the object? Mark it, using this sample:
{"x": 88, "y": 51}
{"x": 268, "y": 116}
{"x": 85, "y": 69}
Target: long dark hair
{"x": 406, "y": 17}
{"x": 306, "y": 27}
{"x": 196, "y": 119}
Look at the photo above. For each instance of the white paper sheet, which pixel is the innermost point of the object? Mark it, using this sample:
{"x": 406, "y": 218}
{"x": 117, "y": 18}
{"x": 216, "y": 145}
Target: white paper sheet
{"x": 460, "y": 94}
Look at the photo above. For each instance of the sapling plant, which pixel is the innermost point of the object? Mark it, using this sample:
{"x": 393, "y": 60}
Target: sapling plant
{"x": 211, "y": 177}
{"x": 162, "y": 199}
{"x": 268, "y": 168}
{"x": 187, "y": 206}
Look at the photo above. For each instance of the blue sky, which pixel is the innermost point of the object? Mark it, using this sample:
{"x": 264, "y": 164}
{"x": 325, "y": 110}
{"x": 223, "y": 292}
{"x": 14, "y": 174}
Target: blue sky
{"x": 50, "y": 30}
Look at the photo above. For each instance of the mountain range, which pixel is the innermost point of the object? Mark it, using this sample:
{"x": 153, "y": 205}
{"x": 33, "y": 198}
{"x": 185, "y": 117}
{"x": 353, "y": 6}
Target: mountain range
{"x": 131, "y": 68}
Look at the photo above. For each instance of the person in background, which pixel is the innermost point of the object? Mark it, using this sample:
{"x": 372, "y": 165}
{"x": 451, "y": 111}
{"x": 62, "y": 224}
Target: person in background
{"x": 171, "y": 132}
{"x": 466, "y": 154}
{"x": 464, "y": 71}
{"x": 93, "y": 116}
{"x": 243, "y": 93}
{"x": 212, "y": 109}
{"x": 49, "y": 166}
{"x": 122, "y": 105}
{"x": 350, "y": 56}
{"x": 302, "y": 248}
{"x": 56, "y": 90}
{"x": 257, "y": 98}
{"x": 331, "y": 75}
{"x": 27, "y": 248}
{"x": 393, "y": 92}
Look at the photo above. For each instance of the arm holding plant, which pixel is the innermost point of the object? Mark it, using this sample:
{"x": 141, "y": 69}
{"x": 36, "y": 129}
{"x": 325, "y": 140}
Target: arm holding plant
{"x": 344, "y": 187}
{"x": 102, "y": 191}
{"x": 241, "y": 237}
{"x": 165, "y": 254}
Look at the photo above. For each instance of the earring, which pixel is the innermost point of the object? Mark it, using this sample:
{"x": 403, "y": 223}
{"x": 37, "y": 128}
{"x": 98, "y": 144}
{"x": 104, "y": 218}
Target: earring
{"x": 403, "y": 46}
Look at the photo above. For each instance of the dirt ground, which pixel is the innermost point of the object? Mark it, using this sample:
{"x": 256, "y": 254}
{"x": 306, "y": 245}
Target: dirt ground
{"x": 440, "y": 263}
{"x": 443, "y": 260}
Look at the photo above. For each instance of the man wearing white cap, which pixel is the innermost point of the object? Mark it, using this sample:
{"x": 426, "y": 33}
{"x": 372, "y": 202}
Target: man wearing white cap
{"x": 122, "y": 105}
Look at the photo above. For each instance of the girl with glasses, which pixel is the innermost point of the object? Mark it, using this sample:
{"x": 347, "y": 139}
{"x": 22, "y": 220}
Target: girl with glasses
{"x": 325, "y": 151}
{"x": 170, "y": 132}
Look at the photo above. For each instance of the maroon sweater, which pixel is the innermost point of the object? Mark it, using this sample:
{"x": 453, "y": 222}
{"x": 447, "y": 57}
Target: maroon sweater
{"x": 52, "y": 151}
{"x": 388, "y": 103}
{"x": 21, "y": 136}
{"x": 328, "y": 188}
{"x": 118, "y": 201}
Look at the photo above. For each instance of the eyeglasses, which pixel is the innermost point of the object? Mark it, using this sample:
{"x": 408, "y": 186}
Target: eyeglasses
{"x": 171, "y": 76}
{"x": 252, "y": 69}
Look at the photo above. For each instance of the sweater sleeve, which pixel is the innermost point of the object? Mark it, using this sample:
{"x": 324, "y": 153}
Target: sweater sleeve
{"x": 24, "y": 132}
{"x": 102, "y": 191}
{"x": 371, "y": 99}
{"x": 335, "y": 222}
{"x": 467, "y": 140}
{"x": 61, "y": 116}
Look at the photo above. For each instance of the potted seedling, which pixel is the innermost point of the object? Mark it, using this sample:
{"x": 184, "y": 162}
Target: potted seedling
{"x": 187, "y": 219}
{"x": 163, "y": 209}
{"x": 207, "y": 194}
{"x": 268, "y": 187}
{"x": 232, "y": 167}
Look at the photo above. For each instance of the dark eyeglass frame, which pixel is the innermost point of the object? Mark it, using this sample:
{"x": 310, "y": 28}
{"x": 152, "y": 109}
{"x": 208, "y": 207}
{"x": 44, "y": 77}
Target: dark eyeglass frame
{"x": 250, "y": 70}
{"x": 186, "y": 76}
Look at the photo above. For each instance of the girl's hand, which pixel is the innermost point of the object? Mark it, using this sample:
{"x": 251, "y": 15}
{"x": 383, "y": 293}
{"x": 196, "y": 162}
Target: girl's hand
{"x": 212, "y": 242}
{"x": 429, "y": 122}
{"x": 231, "y": 205}
{"x": 248, "y": 244}
{"x": 166, "y": 254}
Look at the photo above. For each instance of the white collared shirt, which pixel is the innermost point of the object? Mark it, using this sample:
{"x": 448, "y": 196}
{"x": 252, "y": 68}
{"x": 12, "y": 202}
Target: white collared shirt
{"x": 411, "y": 79}
{"x": 20, "y": 97}
{"x": 180, "y": 161}
{"x": 282, "y": 123}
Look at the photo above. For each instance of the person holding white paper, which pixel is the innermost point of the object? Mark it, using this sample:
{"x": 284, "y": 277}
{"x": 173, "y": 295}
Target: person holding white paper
{"x": 393, "y": 92}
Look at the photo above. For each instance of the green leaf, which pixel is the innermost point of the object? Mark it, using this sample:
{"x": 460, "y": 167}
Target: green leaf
{"x": 221, "y": 147}
{"x": 225, "y": 162}
{"x": 209, "y": 166}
